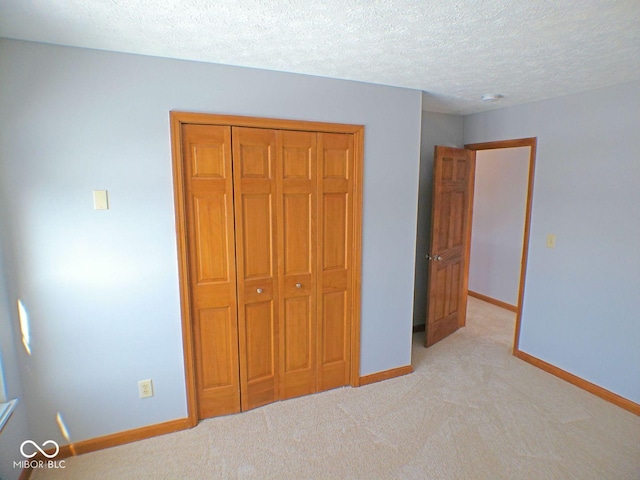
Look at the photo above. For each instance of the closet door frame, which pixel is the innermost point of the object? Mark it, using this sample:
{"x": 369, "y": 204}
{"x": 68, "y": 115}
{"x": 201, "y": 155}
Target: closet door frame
{"x": 177, "y": 119}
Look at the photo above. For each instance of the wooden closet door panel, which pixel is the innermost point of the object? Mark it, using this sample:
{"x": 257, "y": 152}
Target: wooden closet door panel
{"x": 209, "y": 208}
{"x": 296, "y": 174}
{"x": 335, "y": 235}
{"x": 254, "y": 166}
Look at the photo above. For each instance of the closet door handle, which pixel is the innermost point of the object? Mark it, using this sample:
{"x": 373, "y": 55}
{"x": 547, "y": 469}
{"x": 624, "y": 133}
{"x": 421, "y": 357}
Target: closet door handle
{"x": 259, "y": 290}
{"x": 298, "y": 285}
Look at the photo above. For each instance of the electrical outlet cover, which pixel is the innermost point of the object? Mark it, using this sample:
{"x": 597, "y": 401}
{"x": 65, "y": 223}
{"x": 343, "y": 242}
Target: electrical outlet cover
{"x": 145, "y": 388}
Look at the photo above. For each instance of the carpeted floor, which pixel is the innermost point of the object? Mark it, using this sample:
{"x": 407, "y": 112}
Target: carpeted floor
{"x": 469, "y": 411}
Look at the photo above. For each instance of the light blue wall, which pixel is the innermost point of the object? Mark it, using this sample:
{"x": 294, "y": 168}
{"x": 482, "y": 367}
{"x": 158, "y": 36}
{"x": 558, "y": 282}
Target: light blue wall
{"x": 581, "y": 298}
{"x": 101, "y": 287}
{"x": 16, "y": 430}
{"x": 437, "y": 129}
{"x": 499, "y": 204}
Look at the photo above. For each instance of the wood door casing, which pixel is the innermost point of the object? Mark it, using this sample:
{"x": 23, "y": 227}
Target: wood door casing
{"x": 447, "y": 295}
{"x": 331, "y": 355}
{"x": 335, "y": 265}
{"x": 210, "y": 235}
{"x": 530, "y": 142}
{"x": 254, "y": 166}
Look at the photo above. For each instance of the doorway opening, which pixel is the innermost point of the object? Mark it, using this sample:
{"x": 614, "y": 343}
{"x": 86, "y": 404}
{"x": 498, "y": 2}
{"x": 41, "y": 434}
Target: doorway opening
{"x": 482, "y": 257}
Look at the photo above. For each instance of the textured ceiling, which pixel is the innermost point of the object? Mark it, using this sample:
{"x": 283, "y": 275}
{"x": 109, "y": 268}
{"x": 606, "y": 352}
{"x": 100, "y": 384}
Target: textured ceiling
{"x": 454, "y": 50}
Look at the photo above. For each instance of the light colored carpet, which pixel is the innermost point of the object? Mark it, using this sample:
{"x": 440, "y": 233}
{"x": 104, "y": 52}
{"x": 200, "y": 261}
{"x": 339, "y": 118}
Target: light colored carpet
{"x": 470, "y": 411}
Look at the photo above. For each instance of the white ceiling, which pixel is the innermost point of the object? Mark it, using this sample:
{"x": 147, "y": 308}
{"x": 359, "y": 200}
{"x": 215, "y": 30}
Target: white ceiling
{"x": 454, "y": 50}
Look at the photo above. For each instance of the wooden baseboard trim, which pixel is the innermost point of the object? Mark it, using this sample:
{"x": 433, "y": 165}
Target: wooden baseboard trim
{"x": 113, "y": 440}
{"x": 419, "y": 328}
{"x": 26, "y": 474}
{"x": 127, "y": 436}
{"x": 579, "y": 382}
{"x": 493, "y": 301}
{"x": 386, "y": 375}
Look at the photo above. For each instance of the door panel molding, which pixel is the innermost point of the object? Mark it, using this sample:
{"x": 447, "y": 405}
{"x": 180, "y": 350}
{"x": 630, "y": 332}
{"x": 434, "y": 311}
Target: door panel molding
{"x": 208, "y": 229}
{"x": 255, "y": 171}
{"x": 209, "y": 166}
{"x": 335, "y": 269}
{"x": 296, "y": 205}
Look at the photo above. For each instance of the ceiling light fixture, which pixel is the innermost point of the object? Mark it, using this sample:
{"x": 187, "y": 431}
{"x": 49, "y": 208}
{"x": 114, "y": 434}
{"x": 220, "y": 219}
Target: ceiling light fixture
{"x": 491, "y": 97}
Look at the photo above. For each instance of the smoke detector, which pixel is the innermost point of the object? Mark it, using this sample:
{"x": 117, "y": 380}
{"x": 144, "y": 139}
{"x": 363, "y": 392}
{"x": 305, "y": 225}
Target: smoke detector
{"x": 491, "y": 97}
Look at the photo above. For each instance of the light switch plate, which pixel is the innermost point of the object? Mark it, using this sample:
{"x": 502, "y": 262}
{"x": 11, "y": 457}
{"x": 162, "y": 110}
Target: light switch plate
{"x": 551, "y": 240}
{"x": 100, "y": 200}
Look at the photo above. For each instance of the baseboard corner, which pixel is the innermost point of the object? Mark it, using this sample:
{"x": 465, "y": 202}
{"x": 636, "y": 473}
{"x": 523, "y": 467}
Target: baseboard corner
{"x": 386, "y": 375}
{"x": 493, "y": 301}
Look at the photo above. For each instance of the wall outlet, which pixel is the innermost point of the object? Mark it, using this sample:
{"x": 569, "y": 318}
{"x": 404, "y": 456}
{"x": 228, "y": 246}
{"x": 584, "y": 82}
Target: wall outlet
{"x": 145, "y": 388}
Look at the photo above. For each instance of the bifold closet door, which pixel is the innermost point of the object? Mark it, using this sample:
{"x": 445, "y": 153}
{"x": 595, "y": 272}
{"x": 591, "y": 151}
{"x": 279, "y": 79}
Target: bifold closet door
{"x": 297, "y": 245}
{"x": 335, "y": 265}
{"x": 269, "y": 232}
{"x": 275, "y": 173}
{"x": 208, "y": 189}
{"x": 254, "y": 170}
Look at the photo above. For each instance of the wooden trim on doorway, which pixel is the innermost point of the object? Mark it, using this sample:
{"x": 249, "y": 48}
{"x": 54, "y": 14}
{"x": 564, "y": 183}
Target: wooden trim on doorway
{"x": 467, "y": 234}
{"x": 356, "y": 277}
{"x": 183, "y": 269}
{"x": 177, "y": 119}
{"x": 521, "y": 142}
{"x": 259, "y": 122}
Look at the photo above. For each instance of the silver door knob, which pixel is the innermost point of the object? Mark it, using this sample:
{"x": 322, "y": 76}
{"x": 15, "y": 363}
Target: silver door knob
{"x": 259, "y": 290}
{"x": 298, "y": 285}
{"x": 437, "y": 258}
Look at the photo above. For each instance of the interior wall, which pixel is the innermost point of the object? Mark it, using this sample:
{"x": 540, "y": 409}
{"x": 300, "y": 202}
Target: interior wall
{"x": 499, "y": 204}
{"x": 437, "y": 129}
{"x": 581, "y": 298}
{"x": 101, "y": 287}
{"x": 16, "y": 430}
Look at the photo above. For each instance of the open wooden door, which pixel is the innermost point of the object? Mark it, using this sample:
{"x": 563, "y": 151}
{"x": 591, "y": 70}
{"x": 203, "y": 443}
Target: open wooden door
{"x": 449, "y": 253}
